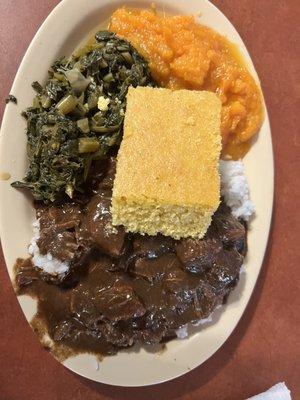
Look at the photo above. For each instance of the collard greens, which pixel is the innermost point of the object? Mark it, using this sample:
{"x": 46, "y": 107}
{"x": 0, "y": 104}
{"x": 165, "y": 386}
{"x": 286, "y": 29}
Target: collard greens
{"x": 66, "y": 131}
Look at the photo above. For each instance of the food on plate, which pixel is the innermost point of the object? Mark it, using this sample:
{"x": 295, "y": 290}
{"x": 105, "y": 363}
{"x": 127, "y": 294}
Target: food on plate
{"x": 11, "y": 98}
{"x": 235, "y": 190}
{"x": 68, "y": 128}
{"x": 121, "y": 289}
{"x": 167, "y": 178}
{"x": 134, "y": 236}
{"x": 184, "y": 54}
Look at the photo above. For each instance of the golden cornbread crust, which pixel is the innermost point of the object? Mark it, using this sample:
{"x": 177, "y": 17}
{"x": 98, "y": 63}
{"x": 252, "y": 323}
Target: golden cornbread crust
{"x": 167, "y": 177}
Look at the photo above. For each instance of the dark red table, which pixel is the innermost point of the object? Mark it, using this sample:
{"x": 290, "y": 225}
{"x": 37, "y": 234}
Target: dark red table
{"x": 265, "y": 347}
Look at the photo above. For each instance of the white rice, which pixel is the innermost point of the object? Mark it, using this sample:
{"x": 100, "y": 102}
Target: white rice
{"x": 204, "y": 321}
{"x": 183, "y": 332}
{"x": 46, "y": 262}
{"x": 243, "y": 269}
{"x": 235, "y": 189}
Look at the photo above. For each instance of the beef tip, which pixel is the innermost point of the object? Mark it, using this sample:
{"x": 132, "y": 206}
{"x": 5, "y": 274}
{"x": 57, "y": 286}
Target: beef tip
{"x": 206, "y": 300}
{"x": 71, "y": 331}
{"x": 61, "y": 245}
{"x": 225, "y": 273}
{"x": 109, "y": 178}
{"x": 154, "y": 269}
{"x": 229, "y": 229}
{"x": 148, "y": 248}
{"x": 84, "y": 302}
{"x": 104, "y": 296}
{"x": 119, "y": 302}
{"x": 102, "y": 175}
{"x": 144, "y": 247}
{"x": 149, "y": 336}
{"x": 153, "y": 246}
{"x": 182, "y": 291}
{"x": 119, "y": 334}
{"x": 24, "y": 279}
{"x": 181, "y": 287}
{"x": 148, "y": 329}
{"x": 57, "y": 234}
{"x": 177, "y": 281}
{"x": 153, "y": 296}
{"x": 62, "y": 218}
{"x": 67, "y": 329}
{"x": 25, "y": 274}
{"x": 151, "y": 328}
{"x": 198, "y": 255}
{"x": 91, "y": 185}
{"x": 97, "y": 229}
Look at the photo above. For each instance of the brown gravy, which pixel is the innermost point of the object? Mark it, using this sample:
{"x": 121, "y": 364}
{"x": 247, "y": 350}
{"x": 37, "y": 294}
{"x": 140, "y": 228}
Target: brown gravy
{"x": 124, "y": 289}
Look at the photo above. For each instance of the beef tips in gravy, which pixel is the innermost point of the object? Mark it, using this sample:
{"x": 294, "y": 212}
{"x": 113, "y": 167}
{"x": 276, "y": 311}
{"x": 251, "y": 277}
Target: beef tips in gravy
{"x": 126, "y": 288}
{"x": 96, "y": 228}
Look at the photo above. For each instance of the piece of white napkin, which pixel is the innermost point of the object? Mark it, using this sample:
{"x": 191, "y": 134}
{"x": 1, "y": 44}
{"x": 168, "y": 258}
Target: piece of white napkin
{"x": 276, "y": 392}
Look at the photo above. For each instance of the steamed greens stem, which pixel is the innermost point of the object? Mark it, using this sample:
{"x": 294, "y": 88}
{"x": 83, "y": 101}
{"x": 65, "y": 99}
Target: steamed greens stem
{"x": 88, "y": 145}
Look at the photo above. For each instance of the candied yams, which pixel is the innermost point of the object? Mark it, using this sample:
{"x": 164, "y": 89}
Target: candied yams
{"x": 185, "y": 55}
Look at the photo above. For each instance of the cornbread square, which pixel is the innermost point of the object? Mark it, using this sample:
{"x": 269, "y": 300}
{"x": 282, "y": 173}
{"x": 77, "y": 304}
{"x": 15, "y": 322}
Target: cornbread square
{"x": 167, "y": 177}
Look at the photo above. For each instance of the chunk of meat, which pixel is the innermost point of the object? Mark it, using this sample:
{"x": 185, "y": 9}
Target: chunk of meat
{"x": 101, "y": 176}
{"x": 229, "y": 230}
{"x": 109, "y": 178}
{"x": 198, "y": 255}
{"x": 151, "y": 328}
{"x": 225, "y": 273}
{"x": 84, "y": 301}
{"x": 104, "y": 296}
{"x": 26, "y": 274}
{"x": 154, "y": 269}
{"x": 183, "y": 297}
{"x": 71, "y": 331}
{"x": 178, "y": 282}
{"x": 57, "y": 235}
{"x": 61, "y": 245}
{"x": 119, "y": 334}
{"x": 153, "y": 246}
{"x": 119, "y": 302}
{"x": 62, "y": 218}
{"x": 145, "y": 247}
{"x": 206, "y": 300}
{"x": 97, "y": 229}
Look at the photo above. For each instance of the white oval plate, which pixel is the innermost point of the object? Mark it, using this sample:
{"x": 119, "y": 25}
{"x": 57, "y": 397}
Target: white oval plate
{"x": 62, "y": 31}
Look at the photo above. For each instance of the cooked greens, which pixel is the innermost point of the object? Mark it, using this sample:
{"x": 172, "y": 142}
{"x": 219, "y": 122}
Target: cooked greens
{"x": 11, "y": 98}
{"x": 77, "y": 116}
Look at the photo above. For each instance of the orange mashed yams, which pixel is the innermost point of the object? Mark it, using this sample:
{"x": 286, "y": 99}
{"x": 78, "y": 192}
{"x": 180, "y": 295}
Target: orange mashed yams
{"x": 184, "y": 54}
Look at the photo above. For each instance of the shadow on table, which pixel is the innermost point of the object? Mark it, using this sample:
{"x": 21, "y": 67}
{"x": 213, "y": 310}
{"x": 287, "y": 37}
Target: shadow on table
{"x": 200, "y": 375}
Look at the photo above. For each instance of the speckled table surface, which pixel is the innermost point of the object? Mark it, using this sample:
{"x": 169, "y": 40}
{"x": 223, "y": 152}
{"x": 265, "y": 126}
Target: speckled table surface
{"x": 264, "y": 348}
